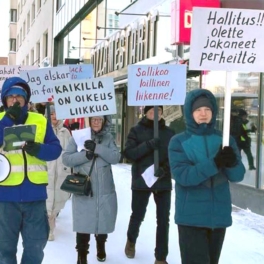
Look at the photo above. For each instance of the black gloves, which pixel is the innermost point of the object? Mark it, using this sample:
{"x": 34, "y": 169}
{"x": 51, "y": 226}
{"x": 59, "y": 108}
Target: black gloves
{"x": 159, "y": 172}
{"x": 74, "y": 126}
{"x": 89, "y": 146}
{"x": 153, "y": 143}
{"x": 230, "y": 157}
{"x": 32, "y": 148}
{"x": 14, "y": 112}
{"x": 225, "y": 157}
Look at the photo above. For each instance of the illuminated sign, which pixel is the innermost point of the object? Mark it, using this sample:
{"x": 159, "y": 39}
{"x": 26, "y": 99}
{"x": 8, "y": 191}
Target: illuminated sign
{"x": 181, "y": 18}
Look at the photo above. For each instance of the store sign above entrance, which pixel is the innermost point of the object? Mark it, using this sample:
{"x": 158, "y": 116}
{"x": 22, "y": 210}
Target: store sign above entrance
{"x": 230, "y": 40}
{"x": 135, "y": 43}
{"x": 162, "y": 84}
{"x": 181, "y": 18}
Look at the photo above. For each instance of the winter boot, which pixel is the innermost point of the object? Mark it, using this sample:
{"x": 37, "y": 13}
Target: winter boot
{"x": 82, "y": 257}
{"x": 101, "y": 255}
{"x": 130, "y": 249}
{"x": 161, "y": 262}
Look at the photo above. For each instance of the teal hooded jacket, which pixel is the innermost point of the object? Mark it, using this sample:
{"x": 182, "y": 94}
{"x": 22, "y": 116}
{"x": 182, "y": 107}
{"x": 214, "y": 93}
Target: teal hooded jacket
{"x": 203, "y": 196}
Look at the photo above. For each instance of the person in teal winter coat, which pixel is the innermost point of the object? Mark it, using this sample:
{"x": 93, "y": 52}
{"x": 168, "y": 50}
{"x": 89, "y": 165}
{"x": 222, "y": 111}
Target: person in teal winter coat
{"x": 202, "y": 170}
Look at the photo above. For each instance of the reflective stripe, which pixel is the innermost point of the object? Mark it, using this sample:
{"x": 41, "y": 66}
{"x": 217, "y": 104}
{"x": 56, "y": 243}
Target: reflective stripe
{"x": 20, "y": 168}
{"x": 36, "y": 168}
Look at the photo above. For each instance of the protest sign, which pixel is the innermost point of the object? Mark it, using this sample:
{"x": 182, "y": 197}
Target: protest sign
{"x": 156, "y": 84}
{"x": 81, "y": 71}
{"x": 41, "y": 82}
{"x": 230, "y": 39}
{"x": 84, "y": 98}
{"x": 7, "y": 71}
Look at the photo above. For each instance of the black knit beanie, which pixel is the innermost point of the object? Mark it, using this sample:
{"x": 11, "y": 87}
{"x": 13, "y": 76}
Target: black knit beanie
{"x": 148, "y": 107}
{"x": 201, "y": 101}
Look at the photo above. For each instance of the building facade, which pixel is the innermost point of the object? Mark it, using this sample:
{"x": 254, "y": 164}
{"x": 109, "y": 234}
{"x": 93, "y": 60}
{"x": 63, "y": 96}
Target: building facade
{"x": 31, "y": 31}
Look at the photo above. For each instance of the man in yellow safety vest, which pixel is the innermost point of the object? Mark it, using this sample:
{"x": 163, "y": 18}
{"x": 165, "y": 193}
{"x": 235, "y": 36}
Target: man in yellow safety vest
{"x": 23, "y": 193}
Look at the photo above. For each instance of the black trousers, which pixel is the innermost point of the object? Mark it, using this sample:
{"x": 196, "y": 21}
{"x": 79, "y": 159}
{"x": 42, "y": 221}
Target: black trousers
{"x": 249, "y": 155}
{"x": 200, "y": 245}
{"x": 82, "y": 240}
{"x": 140, "y": 201}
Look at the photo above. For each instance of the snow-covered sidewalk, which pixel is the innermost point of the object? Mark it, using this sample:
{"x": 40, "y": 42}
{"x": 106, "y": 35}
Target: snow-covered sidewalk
{"x": 244, "y": 243}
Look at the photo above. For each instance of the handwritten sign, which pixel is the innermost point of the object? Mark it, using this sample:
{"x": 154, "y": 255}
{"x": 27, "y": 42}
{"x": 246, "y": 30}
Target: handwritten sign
{"x": 7, "y": 71}
{"x": 85, "y": 98}
{"x": 81, "y": 71}
{"x": 156, "y": 84}
{"x": 230, "y": 39}
{"x": 41, "y": 82}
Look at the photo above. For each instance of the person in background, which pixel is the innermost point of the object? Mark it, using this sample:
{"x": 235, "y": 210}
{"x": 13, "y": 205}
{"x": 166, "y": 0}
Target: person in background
{"x": 57, "y": 173}
{"x": 31, "y": 107}
{"x": 139, "y": 149}
{"x": 245, "y": 139}
{"x": 94, "y": 215}
{"x": 236, "y": 126}
{"x": 202, "y": 170}
{"x": 41, "y": 108}
{"x": 23, "y": 194}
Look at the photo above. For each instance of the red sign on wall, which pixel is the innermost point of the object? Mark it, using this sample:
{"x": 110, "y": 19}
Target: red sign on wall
{"x": 181, "y": 18}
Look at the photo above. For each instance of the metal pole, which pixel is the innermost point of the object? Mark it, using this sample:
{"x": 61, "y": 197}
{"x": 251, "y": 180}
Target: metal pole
{"x": 48, "y": 111}
{"x": 156, "y": 135}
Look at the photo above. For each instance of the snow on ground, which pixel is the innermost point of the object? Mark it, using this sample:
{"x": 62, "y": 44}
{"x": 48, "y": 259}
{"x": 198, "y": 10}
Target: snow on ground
{"x": 244, "y": 241}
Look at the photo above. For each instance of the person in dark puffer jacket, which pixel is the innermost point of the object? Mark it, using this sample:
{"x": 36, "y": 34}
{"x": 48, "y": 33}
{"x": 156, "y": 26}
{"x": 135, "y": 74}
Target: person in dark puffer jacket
{"x": 202, "y": 170}
{"x": 139, "y": 149}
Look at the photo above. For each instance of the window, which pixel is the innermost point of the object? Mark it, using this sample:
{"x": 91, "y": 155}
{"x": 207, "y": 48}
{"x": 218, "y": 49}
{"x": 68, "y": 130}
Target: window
{"x": 12, "y": 43}
{"x": 20, "y": 39}
{"x": 33, "y": 12}
{"x": 28, "y": 21}
{"x": 17, "y": 40}
{"x": 38, "y": 51}
{"x": 39, "y": 5}
{"x": 27, "y": 60}
{"x": 45, "y": 45}
{"x": 18, "y": 11}
{"x": 32, "y": 57}
{"x": 13, "y": 15}
{"x": 58, "y": 5}
{"x": 24, "y": 29}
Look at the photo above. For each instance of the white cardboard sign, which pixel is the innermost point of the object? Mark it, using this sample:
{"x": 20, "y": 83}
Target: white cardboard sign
{"x": 161, "y": 84}
{"x": 227, "y": 39}
{"x": 85, "y": 98}
{"x": 42, "y": 80}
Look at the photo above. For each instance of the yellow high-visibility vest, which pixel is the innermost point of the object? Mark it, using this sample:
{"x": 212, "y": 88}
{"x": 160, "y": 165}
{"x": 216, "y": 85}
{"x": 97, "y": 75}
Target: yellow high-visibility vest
{"x": 245, "y": 128}
{"x": 23, "y": 164}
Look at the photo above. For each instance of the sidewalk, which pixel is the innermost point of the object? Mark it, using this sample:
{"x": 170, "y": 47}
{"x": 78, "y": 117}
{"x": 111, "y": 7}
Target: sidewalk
{"x": 244, "y": 242}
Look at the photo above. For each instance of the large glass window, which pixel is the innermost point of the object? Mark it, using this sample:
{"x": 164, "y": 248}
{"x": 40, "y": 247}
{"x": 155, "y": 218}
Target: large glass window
{"x": 261, "y": 135}
{"x": 116, "y": 128}
{"x": 244, "y": 109}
